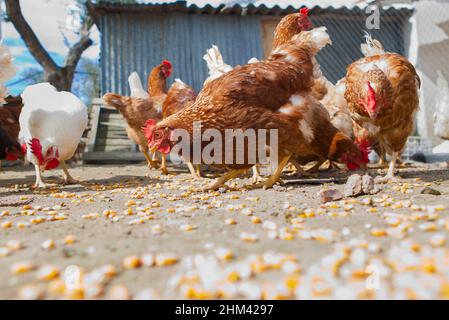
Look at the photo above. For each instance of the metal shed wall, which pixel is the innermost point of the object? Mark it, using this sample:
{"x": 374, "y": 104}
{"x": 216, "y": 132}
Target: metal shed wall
{"x": 138, "y": 42}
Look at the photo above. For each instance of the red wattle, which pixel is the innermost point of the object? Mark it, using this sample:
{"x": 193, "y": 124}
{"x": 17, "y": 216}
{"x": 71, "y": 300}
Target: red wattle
{"x": 52, "y": 164}
{"x": 165, "y": 149}
{"x": 11, "y": 157}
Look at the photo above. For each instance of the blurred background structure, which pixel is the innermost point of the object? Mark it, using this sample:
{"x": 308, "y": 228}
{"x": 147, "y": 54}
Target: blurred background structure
{"x": 135, "y": 35}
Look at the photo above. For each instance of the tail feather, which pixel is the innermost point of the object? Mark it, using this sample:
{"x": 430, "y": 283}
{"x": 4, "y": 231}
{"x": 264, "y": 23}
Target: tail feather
{"x": 372, "y": 46}
{"x": 319, "y": 38}
{"x": 215, "y": 63}
{"x": 135, "y": 84}
{"x": 114, "y": 100}
{"x": 314, "y": 40}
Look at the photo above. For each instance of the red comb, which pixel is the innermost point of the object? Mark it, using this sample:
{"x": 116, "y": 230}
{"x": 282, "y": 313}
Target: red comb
{"x": 304, "y": 11}
{"x": 167, "y": 64}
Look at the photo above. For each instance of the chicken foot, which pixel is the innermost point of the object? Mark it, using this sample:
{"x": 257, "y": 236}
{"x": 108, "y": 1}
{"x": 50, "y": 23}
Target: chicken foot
{"x": 68, "y": 179}
{"x": 275, "y": 177}
{"x": 299, "y": 170}
{"x": 224, "y": 178}
{"x": 196, "y": 174}
{"x": 256, "y": 173}
{"x": 39, "y": 181}
{"x": 390, "y": 177}
{"x": 150, "y": 162}
{"x": 164, "y": 164}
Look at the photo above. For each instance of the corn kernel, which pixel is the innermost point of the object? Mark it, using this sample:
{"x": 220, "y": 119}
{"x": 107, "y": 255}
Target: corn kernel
{"x": 6, "y": 224}
{"x": 248, "y": 237}
{"x": 256, "y": 220}
{"x": 30, "y": 292}
{"x": 233, "y": 276}
{"x": 148, "y": 260}
{"x": 48, "y": 244}
{"x": 69, "y": 240}
{"x": 378, "y": 232}
{"x": 5, "y": 213}
{"x": 4, "y": 252}
{"x": 188, "y": 227}
{"x": 165, "y": 259}
{"x": 48, "y": 272}
{"x": 21, "y": 267}
{"x": 14, "y": 245}
{"x": 119, "y": 292}
{"x": 224, "y": 254}
{"x": 132, "y": 262}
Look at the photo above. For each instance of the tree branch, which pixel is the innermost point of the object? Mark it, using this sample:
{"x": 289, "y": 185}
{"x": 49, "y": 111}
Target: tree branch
{"x": 35, "y": 47}
{"x": 75, "y": 52}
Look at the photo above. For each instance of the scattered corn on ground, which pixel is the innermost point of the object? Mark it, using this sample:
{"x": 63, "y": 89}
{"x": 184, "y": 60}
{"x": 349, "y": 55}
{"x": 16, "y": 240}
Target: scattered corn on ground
{"x": 130, "y": 233}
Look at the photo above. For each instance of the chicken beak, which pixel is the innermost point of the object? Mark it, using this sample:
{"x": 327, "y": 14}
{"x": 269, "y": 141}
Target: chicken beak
{"x": 154, "y": 148}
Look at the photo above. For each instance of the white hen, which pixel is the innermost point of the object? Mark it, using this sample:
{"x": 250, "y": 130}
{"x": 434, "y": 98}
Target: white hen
{"x": 52, "y": 124}
{"x": 441, "y": 115}
{"x": 7, "y": 71}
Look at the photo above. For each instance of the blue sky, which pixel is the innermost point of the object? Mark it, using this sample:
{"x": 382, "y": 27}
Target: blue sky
{"x": 47, "y": 18}
{"x": 24, "y": 60}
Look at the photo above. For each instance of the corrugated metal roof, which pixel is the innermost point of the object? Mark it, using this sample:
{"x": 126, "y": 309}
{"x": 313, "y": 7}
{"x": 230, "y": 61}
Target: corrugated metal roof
{"x": 260, "y": 7}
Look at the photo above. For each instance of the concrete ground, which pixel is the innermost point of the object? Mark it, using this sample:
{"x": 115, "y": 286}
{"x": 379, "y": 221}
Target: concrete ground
{"x": 129, "y": 232}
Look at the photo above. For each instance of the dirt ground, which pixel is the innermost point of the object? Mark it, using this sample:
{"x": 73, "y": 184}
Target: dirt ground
{"x": 129, "y": 232}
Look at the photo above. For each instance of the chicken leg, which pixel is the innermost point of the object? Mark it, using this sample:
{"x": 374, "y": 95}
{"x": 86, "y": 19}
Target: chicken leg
{"x": 39, "y": 181}
{"x": 150, "y": 162}
{"x": 224, "y": 178}
{"x": 391, "y": 169}
{"x": 196, "y": 174}
{"x": 256, "y": 173}
{"x": 68, "y": 179}
{"x": 299, "y": 169}
{"x": 164, "y": 164}
{"x": 274, "y": 178}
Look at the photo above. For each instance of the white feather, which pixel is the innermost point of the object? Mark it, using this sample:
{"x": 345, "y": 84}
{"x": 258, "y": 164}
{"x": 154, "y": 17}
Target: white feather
{"x": 136, "y": 87}
{"x": 55, "y": 118}
{"x": 215, "y": 63}
{"x": 320, "y": 38}
{"x": 372, "y": 46}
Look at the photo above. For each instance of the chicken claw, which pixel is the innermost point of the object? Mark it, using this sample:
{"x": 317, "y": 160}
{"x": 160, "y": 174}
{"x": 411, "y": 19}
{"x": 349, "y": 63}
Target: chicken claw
{"x": 390, "y": 177}
{"x": 256, "y": 174}
{"x": 68, "y": 179}
{"x": 39, "y": 181}
{"x": 196, "y": 174}
{"x": 274, "y": 178}
{"x": 223, "y": 179}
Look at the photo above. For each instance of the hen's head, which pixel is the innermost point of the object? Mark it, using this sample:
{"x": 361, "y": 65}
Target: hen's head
{"x": 47, "y": 157}
{"x": 159, "y": 137}
{"x": 304, "y": 22}
{"x": 344, "y": 150}
{"x": 166, "y": 68}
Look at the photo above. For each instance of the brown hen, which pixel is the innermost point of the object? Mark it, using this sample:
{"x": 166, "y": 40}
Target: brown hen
{"x": 382, "y": 95}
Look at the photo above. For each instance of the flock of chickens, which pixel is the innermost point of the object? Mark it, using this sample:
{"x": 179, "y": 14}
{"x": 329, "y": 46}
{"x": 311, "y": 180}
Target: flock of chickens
{"x": 373, "y": 107}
